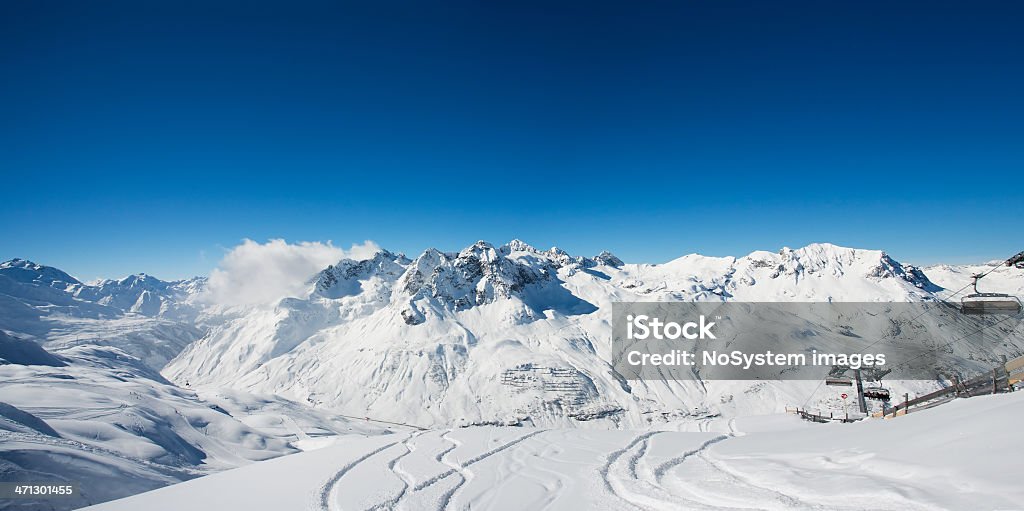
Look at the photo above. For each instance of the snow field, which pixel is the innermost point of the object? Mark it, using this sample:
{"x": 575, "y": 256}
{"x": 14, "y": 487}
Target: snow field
{"x": 957, "y": 456}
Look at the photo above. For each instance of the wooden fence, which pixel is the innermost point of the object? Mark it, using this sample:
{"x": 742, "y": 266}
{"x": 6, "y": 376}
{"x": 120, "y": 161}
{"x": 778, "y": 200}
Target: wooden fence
{"x": 1002, "y": 378}
{"x": 814, "y": 417}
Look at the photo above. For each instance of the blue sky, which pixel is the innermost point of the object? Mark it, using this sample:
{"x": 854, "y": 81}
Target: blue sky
{"x": 152, "y": 137}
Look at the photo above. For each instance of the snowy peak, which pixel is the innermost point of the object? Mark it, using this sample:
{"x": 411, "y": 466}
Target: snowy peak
{"x": 817, "y": 272}
{"x": 27, "y": 272}
{"x": 479, "y": 274}
{"x": 52, "y": 290}
{"x": 876, "y": 264}
{"x": 138, "y": 281}
{"x": 562, "y": 258}
{"x": 421, "y": 270}
{"x": 818, "y": 257}
{"x": 517, "y": 245}
{"x": 482, "y": 274}
{"x": 144, "y": 294}
{"x": 346, "y": 276}
{"x": 608, "y": 259}
{"x": 480, "y": 250}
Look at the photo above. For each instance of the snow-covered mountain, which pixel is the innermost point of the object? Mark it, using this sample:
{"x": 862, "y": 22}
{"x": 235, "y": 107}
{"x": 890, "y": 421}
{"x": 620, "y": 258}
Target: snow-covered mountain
{"x": 999, "y": 279}
{"x": 148, "y": 380}
{"x": 139, "y": 294}
{"x": 82, "y": 398}
{"x": 513, "y": 334}
{"x": 145, "y": 295}
{"x": 140, "y": 314}
{"x": 101, "y": 417}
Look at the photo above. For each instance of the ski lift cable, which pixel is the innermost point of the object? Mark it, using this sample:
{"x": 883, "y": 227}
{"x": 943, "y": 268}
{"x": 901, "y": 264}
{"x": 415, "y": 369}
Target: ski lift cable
{"x": 950, "y": 343}
{"x": 915, "y": 318}
{"x": 1008, "y": 262}
{"x": 980, "y": 302}
{"x": 961, "y": 290}
{"x": 1016, "y": 258}
{"x": 936, "y": 348}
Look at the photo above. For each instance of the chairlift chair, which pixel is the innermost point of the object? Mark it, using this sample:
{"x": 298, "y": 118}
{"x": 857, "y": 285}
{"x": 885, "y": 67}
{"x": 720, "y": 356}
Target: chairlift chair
{"x": 1017, "y": 260}
{"x": 879, "y": 393}
{"x": 980, "y": 303}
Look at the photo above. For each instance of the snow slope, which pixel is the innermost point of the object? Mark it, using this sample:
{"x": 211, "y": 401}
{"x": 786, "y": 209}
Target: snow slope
{"x": 1002, "y": 279}
{"x": 98, "y": 416}
{"x": 957, "y": 456}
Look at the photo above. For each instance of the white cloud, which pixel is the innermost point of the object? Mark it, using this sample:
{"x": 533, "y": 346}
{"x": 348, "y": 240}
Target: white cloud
{"x": 262, "y": 273}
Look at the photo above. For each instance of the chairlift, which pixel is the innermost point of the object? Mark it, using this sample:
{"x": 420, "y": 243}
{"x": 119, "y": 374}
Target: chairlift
{"x": 1017, "y": 260}
{"x": 879, "y": 393}
{"x": 980, "y": 303}
{"x": 839, "y": 382}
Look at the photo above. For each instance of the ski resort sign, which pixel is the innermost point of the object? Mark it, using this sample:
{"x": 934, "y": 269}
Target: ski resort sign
{"x": 794, "y": 341}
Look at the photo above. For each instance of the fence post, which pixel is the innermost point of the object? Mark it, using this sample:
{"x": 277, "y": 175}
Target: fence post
{"x": 995, "y": 381}
{"x": 860, "y": 394}
{"x": 906, "y": 403}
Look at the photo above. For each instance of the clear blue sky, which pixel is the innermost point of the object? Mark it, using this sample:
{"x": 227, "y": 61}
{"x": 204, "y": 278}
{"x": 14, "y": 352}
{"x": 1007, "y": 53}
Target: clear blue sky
{"x": 148, "y": 136}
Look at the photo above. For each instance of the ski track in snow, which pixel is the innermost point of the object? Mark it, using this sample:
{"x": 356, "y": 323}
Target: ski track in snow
{"x": 662, "y": 469}
{"x": 500, "y": 448}
{"x": 623, "y": 480}
{"x": 324, "y": 494}
{"x": 760, "y": 495}
{"x": 467, "y": 475}
{"x": 404, "y": 477}
{"x": 446, "y": 498}
{"x": 637, "y": 485}
{"x": 625, "y": 475}
{"x": 440, "y": 459}
{"x": 738, "y": 487}
{"x": 614, "y": 484}
{"x": 534, "y": 469}
{"x": 407, "y": 479}
{"x": 553, "y": 484}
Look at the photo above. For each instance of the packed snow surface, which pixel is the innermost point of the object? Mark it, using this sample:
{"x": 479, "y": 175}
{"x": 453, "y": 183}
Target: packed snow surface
{"x": 949, "y": 457}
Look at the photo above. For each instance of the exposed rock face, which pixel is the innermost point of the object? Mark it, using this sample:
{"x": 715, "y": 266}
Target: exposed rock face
{"x": 343, "y": 279}
{"x": 608, "y": 259}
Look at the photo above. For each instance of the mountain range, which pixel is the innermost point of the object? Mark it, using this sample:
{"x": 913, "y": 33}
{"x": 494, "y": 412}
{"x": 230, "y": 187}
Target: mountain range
{"x": 155, "y": 380}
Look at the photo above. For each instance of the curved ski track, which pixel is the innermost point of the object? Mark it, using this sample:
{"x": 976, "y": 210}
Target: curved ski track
{"x": 326, "y": 503}
{"x": 635, "y": 484}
